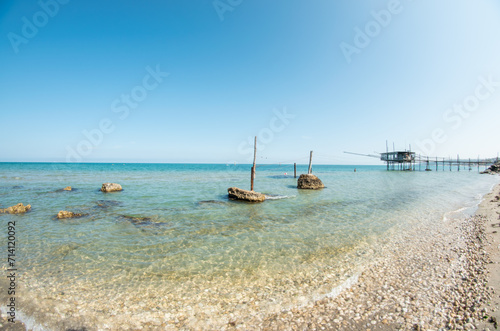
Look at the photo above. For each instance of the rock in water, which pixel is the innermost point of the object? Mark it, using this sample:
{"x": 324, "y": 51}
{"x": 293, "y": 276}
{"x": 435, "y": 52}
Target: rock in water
{"x": 111, "y": 187}
{"x": 309, "y": 181}
{"x": 493, "y": 169}
{"x": 17, "y": 209}
{"x": 67, "y": 214}
{"x": 235, "y": 193}
{"x": 67, "y": 188}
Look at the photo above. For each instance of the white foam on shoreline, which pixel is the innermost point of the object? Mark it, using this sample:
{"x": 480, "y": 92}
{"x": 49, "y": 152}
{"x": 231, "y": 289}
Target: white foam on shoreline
{"x": 348, "y": 283}
{"x": 469, "y": 210}
{"x": 335, "y": 292}
{"x": 28, "y": 321}
{"x": 450, "y": 214}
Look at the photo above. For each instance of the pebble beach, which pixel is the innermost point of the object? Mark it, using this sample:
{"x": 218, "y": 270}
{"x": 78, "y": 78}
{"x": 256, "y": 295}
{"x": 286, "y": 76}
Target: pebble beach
{"x": 447, "y": 281}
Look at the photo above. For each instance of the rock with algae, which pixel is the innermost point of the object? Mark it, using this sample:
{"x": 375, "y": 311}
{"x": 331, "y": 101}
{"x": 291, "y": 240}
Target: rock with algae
{"x": 17, "y": 209}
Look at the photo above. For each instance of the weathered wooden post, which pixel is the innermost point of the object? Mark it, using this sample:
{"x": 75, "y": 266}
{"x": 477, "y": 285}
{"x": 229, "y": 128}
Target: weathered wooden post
{"x": 310, "y": 163}
{"x": 295, "y": 170}
{"x": 235, "y": 193}
{"x": 252, "y": 175}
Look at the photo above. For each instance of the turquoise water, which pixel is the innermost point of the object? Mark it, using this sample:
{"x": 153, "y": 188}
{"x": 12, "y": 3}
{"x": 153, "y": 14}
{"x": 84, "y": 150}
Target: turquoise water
{"x": 171, "y": 248}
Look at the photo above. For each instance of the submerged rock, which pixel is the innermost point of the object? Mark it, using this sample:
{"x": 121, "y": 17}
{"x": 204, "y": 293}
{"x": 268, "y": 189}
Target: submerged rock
{"x": 111, "y": 187}
{"x": 137, "y": 220}
{"x": 309, "y": 181}
{"x": 67, "y": 214}
{"x": 213, "y": 202}
{"x": 235, "y": 193}
{"x": 17, "y": 209}
{"x": 141, "y": 221}
{"x": 108, "y": 203}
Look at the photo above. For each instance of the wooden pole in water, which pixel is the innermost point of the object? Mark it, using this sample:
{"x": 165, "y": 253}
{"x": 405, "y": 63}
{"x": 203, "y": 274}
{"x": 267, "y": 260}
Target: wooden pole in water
{"x": 387, "y": 155}
{"x": 252, "y": 177}
{"x": 436, "y": 163}
{"x": 458, "y": 162}
{"x": 295, "y": 170}
{"x": 310, "y": 163}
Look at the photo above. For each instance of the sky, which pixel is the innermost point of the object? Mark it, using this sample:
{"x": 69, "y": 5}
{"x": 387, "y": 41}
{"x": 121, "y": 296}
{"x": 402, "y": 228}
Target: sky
{"x": 195, "y": 81}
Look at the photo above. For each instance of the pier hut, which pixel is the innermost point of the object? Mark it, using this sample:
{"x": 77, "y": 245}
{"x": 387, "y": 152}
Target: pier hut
{"x": 399, "y": 160}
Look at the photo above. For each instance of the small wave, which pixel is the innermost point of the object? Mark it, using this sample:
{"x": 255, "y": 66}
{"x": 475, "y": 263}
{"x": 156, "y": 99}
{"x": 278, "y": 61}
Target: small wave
{"x": 280, "y": 176}
{"x": 278, "y": 197}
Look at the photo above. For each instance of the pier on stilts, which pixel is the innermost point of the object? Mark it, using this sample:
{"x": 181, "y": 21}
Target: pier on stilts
{"x": 458, "y": 164}
{"x": 406, "y": 160}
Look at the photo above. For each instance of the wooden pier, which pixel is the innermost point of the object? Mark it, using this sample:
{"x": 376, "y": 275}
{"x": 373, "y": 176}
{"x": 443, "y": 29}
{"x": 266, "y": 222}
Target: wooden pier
{"x": 409, "y": 161}
{"x": 448, "y": 164}
{"x": 406, "y": 160}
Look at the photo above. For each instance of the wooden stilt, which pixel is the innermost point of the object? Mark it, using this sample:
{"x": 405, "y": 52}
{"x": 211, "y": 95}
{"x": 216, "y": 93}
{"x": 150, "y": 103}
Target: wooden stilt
{"x": 295, "y": 170}
{"x": 252, "y": 177}
{"x": 310, "y": 163}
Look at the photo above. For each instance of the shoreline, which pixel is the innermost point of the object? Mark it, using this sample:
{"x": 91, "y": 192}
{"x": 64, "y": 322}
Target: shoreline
{"x": 422, "y": 283}
{"x": 449, "y": 280}
{"x": 490, "y": 208}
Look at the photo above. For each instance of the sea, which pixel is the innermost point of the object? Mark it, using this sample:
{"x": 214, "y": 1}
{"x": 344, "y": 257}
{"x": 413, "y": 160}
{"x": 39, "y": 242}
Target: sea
{"x": 172, "y": 251}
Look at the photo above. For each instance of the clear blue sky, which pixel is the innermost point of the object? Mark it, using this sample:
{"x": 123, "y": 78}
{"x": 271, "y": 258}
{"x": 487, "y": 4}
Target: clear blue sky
{"x": 328, "y": 76}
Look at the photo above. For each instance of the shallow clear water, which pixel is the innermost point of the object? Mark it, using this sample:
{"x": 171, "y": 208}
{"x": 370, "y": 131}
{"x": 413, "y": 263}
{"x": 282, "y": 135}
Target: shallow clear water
{"x": 172, "y": 246}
